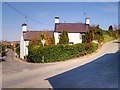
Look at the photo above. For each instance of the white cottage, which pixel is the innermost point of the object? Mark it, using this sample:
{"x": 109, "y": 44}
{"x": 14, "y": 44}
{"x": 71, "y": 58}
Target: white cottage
{"x": 28, "y": 35}
{"x": 75, "y": 30}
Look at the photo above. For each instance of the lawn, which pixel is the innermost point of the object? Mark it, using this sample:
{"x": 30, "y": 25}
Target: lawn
{"x": 107, "y": 38}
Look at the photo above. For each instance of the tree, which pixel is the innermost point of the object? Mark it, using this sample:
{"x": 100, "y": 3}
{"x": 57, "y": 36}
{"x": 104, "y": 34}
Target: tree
{"x": 94, "y": 33}
{"x": 110, "y": 28}
{"x": 18, "y": 49}
{"x": 52, "y": 40}
{"x": 98, "y": 26}
{"x": 64, "y": 39}
{"x": 86, "y": 38}
{"x": 43, "y": 36}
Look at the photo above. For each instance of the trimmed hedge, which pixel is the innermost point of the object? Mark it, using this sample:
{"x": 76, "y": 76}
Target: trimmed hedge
{"x": 59, "y": 52}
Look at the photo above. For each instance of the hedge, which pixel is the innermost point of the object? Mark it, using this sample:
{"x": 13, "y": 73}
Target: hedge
{"x": 57, "y": 53}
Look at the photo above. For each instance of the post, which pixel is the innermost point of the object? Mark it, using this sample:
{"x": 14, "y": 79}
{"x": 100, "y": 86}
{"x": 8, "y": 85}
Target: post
{"x": 43, "y": 42}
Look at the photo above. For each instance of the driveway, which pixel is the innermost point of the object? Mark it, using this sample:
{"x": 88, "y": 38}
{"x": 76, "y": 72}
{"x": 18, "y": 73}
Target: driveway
{"x": 99, "y": 70}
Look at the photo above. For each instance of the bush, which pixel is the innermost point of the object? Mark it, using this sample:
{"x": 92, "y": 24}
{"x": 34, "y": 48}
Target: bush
{"x": 64, "y": 39}
{"x": 90, "y": 47}
{"x": 18, "y": 49}
{"x": 3, "y": 53}
{"x": 94, "y": 46}
{"x": 59, "y": 52}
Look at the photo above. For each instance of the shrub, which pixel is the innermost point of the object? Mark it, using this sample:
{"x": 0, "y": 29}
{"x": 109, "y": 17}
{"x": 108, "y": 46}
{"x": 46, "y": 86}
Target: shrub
{"x": 3, "y": 53}
{"x": 90, "y": 47}
{"x": 59, "y": 52}
{"x": 64, "y": 39}
{"x": 94, "y": 46}
{"x": 18, "y": 49}
{"x": 52, "y": 38}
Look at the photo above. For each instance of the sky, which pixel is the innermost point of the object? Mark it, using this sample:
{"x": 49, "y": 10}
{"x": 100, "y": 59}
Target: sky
{"x": 43, "y": 13}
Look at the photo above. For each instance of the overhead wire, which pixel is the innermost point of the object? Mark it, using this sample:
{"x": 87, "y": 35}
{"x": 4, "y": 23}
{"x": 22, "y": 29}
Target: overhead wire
{"x": 25, "y": 16}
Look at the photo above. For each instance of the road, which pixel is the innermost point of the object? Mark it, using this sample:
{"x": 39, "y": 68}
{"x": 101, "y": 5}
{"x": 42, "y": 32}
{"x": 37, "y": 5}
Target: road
{"x": 10, "y": 65}
{"x": 99, "y": 70}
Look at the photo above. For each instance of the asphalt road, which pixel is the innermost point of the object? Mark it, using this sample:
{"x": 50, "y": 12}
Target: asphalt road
{"x": 99, "y": 70}
{"x": 11, "y": 65}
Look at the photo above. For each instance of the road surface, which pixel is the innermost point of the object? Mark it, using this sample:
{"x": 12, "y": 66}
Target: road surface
{"x": 99, "y": 70}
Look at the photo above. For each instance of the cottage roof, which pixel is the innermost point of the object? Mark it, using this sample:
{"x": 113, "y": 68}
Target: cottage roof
{"x": 71, "y": 27}
{"x": 35, "y": 35}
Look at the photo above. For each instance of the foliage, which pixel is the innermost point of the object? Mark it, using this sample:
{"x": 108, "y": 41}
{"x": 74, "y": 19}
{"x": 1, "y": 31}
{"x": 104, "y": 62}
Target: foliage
{"x": 64, "y": 39}
{"x": 113, "y": 34}
{"x": 18, "y": 49}
{"x": 52, "y": 40}
{"x": 107, "y": 38}
{"x": 110, "y": 28}
{"x": 43, "y": 36}
{"x": 58, "y": 52}
{"x": 94, "y": 33}
{"x": 86, "y": 38}
{"x": 2, "y": 50}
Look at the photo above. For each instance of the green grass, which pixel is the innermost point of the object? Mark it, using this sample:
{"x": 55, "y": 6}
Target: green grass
{"x": 107, "y": 38}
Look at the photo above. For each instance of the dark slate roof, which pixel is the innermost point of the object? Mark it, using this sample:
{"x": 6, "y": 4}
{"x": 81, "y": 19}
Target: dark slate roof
{"x": 35, "y": 35}
{"x": 71, "y": 27}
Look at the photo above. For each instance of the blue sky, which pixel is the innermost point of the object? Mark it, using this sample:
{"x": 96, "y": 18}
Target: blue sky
{"x": 102, "y": 13}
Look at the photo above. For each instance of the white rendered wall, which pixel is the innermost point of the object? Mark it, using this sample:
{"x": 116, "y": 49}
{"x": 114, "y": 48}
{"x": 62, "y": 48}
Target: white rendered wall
{"x": 22, "y": 47}
{"x": 56, "y": 36}
{"x": 26, "y": 43}
{"x": 73, "y": 37}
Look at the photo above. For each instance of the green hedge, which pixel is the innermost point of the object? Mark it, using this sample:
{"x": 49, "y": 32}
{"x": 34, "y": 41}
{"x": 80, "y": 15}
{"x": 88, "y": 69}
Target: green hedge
{"x": 59, "y": 52}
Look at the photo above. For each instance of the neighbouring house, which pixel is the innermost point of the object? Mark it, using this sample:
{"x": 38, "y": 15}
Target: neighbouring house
{"x": 27, "y": 36}
{"x": 6, "y": 43}
{"x": 14, "y": 43}
{"x": 75, "y": 30}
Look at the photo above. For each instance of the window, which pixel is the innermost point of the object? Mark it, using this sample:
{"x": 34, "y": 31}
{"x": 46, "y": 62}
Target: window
{"x": 71, "y": 42}
{"x": 59, "y": 34}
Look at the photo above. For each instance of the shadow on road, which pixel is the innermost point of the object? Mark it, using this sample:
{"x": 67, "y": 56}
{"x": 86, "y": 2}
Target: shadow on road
{"x": 118, "y": 41}
{"x": 101, "y": 73}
